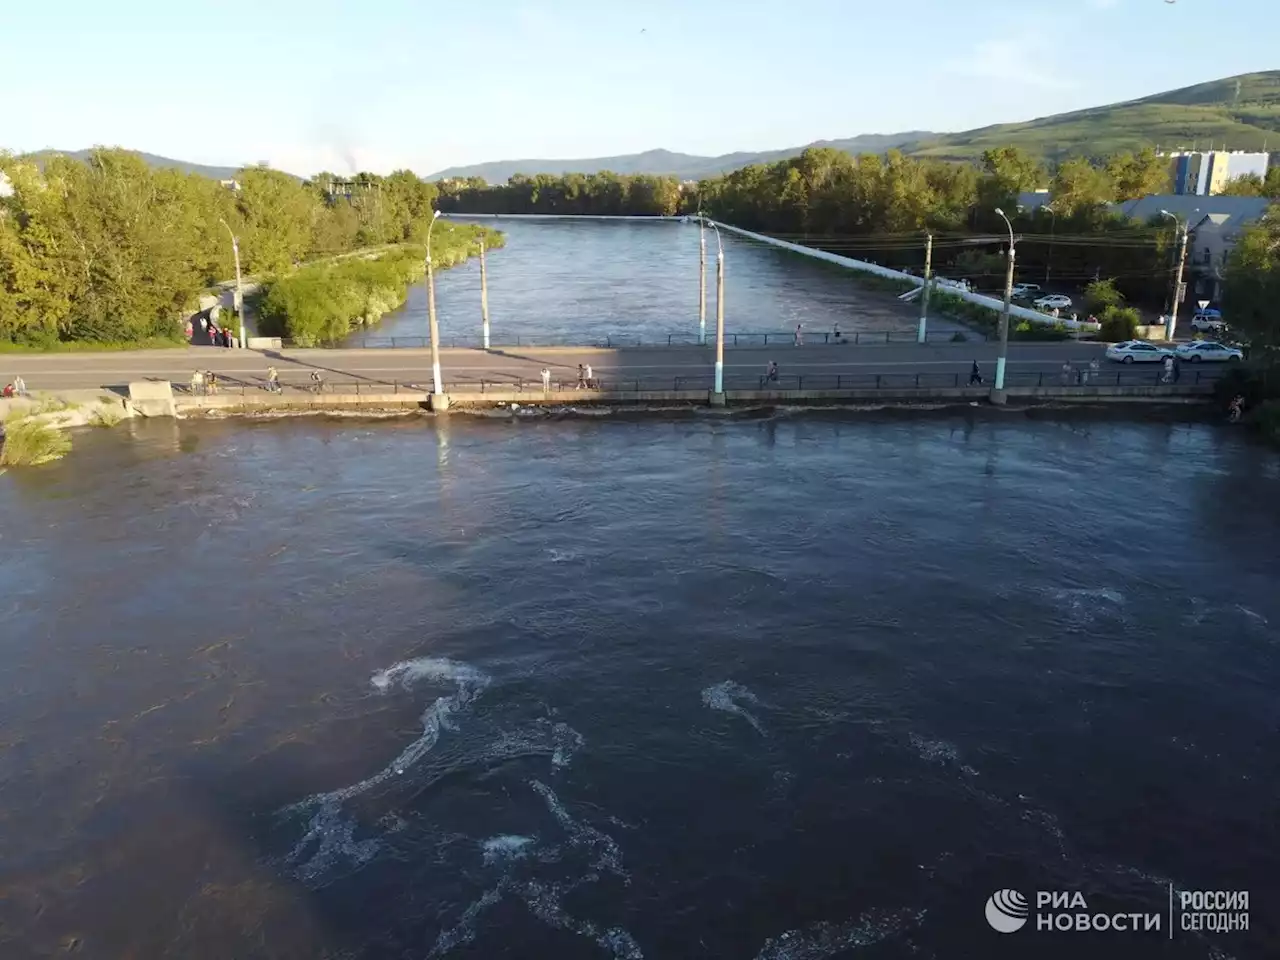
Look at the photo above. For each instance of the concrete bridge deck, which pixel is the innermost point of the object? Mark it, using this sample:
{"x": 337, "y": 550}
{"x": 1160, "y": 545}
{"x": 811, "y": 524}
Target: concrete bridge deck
{"x": 647, "y": 369}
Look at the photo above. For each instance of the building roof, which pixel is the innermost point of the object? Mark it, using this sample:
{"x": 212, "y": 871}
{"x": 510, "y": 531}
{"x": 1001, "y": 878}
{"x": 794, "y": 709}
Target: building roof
{"x": 1229, "y": 213}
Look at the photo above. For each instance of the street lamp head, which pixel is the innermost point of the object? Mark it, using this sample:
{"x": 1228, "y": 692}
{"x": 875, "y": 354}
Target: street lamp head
{"x": 999, "y": 211}
{"x": 435, "y": 214}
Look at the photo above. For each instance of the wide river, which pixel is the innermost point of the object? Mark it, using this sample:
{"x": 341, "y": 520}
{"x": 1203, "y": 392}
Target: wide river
{"x": 787, "y": 687}
{"x": 579, "y": 281}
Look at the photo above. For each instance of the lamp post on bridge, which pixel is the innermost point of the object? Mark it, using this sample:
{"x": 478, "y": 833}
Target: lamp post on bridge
{"x": 1053, "y": 229}
{"x": 438, "y": 399}
{"x": 235, "y": 251}
{"x": 484, "y": 298}
{"x": 717, "y": 398}
{"x": 702, "y": 281}
{"x": 997, "y": 393}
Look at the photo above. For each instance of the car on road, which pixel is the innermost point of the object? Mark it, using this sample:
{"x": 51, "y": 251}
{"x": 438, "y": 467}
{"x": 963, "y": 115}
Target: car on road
{"x": 1137, "y": 351}
{"x": 1208, "y": 320}
{"x": 1026, "y": 291}
{"x": 1054, "y": 301}
{"x": 1199, "y": 350}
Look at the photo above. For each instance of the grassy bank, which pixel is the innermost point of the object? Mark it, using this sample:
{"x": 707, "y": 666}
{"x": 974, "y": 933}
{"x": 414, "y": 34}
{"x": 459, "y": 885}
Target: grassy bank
{"x": 324, "y": 303}
{"x": 30, "y": 443}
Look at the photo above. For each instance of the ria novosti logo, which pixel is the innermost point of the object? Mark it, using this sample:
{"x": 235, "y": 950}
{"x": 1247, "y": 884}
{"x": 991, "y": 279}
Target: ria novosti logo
{"x": 1007, "y": 911}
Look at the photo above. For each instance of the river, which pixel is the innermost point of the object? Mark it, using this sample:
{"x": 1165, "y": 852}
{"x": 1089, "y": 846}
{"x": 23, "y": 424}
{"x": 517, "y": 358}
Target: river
{"x": 787, "y": 687}
{"x": 580, "y": 281}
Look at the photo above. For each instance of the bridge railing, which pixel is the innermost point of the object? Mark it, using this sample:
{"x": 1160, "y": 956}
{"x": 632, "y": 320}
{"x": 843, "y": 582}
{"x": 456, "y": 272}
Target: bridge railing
{"x": 620, "y": 383}
{"x": 735, "y": 339}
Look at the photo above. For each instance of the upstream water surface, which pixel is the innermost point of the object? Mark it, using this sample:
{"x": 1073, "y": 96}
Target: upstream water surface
{"x": 780, "y": 687}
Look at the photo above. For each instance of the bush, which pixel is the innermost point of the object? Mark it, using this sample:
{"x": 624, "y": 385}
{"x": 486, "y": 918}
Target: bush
{"x": 1258, "y": 383}
{"x": 1101, "y": 296}
{"x": 1119, "y": 324}
{"x": 1267, "y": 419}
{"x": 29, "y": 443}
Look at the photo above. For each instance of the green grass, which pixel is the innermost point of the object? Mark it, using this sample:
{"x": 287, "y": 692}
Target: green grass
{"x": 29, "y": 443}
{"x": 90, "y": 346}
{"x": 1208, "y": 113}
{"x": 105, "y": 417}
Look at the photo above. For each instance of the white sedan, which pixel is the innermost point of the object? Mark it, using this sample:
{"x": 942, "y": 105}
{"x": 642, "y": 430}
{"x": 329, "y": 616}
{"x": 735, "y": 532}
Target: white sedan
{"x": 1137, "y": 351}
{"x": 1199, "y": 350}
{"x": 1054, "y": 301}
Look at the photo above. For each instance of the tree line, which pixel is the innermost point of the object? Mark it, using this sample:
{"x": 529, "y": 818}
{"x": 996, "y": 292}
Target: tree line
{"x": 594, "y": 194}
{"x": 110, "y": 250}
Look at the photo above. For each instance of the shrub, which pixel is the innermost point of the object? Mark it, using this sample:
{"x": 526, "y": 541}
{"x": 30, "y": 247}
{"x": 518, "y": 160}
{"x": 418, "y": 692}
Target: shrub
{"x": 29, "y": 443}
{"x": 1258, "y": 383}
{"x": 1119, "y": 324}
{"x": 105, "y": 417}
{"x": 1101, "y": 296}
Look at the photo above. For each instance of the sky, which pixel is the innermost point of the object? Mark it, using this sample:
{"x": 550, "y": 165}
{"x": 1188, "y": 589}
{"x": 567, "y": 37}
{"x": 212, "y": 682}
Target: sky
{"x": 310, "y": 85}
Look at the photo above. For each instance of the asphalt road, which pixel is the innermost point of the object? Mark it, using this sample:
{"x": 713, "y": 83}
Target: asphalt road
{"x": 369, "y": 367}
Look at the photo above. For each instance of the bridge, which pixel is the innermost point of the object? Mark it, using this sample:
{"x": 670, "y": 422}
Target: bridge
{"x": 471, "y": 376}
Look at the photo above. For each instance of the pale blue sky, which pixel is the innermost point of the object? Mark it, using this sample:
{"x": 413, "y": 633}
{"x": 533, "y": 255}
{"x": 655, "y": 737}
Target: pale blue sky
{"x": 379, "y": 84}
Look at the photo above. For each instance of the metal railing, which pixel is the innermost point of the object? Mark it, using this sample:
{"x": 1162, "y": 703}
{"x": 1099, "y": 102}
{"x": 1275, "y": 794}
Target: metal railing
{"x": 744, "y": 339}
{"x": 1121, "y": 377}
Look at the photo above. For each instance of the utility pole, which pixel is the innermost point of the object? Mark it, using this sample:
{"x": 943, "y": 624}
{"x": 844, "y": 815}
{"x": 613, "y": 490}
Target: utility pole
{"x": 1053, "y": 229}
{"x": 997, "y": 394}
{"x": 484, "y": 297}
{"x": 924, "y": 290}
{"x": 1172, "y": 322}
{"x": 702, "y": 281}
{"x": 438, "y": 399}
{"x": 235, "y": 251}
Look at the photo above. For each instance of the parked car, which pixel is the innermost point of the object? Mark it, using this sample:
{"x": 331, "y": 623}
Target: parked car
{"x": 1199, "y": 350}
{"x": 1026, "y": 291}
{"x": 1137, "y": 351}
{"x": 1054, "y": 301}
{"x": 1208, "y": 320}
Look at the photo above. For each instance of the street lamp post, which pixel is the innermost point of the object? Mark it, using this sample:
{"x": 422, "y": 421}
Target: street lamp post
{"x": 1053, "y": 228}
{"x": 235, "y": 251}
{"x": 702, "y": 281}
{"x": 484, "y": 299}
{"x": 718, "y": 397}
{"x": 998, "y": 392}
{"x": 1171, "y": 321}
{"x": 437, "y": 387}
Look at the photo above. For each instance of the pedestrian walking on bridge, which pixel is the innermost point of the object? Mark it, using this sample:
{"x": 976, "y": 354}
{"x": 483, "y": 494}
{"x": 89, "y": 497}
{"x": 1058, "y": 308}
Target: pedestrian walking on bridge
{"x": 975, "y": 375}
{"x": 273, "y": 380}
{"x": 799, "y": 335}
{"x": 771, "y": 374}
{"x": 546, "y": 380}
{"x": 19, "y": 386}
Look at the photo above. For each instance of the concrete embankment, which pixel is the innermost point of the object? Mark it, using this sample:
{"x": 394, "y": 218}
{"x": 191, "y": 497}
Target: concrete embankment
{"x": 266, "y": 404}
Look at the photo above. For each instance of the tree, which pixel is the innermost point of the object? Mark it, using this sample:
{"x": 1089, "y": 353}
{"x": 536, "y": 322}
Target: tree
{"x": 1080, "y": 187}
{"x": 277, "y": 217}
{"x": 1252, "y": 283}
{"x": 1101, "y": 295}
{"x": 1135, "y": 175}
{"x": 1007, "y": 172}
{"x": 1245, "y": 185}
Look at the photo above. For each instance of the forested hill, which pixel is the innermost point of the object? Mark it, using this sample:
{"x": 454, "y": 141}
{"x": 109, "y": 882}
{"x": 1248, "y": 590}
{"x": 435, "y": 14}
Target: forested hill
{"x": 1242, "y": 112}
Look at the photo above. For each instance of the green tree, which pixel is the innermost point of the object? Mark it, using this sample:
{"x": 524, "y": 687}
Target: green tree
{"x": 1080, "y": 187}
{"x": 1007, "y": 171}
{"x": 1252, "y": 283}
{"x": 1245, "y": 185}
{"x": 1135, "y": 175}
{"x": 1101, "y": 295}
{"x": 277, "y": 218}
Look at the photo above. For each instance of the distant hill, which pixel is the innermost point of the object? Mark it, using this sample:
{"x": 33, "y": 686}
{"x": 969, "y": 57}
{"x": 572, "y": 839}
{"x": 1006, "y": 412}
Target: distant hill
{"x": 158, "y": 163}
{"x": 686, "y": 166}
{"x": 1243, "y": 112}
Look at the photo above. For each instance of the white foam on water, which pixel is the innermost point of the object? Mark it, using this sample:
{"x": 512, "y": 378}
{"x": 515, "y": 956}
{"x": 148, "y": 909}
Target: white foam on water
{"x": 1085, "y": 604}
{"x": 544, "y": 903}
{"x": 940, "y": 751}
{"x": 330, "y": 834}
{"x": 464, "y": 931}
{"x": 470, "y": 681}
{"x": 561, "y": 556}
{"x": 822, "y": 940}
{"x": 607, "y": 853}
{"x": 725, "y": 696}
{"x": 1252, "y": 614}
{"x": 508, "y": 846}
{"x": 558, "y": 740}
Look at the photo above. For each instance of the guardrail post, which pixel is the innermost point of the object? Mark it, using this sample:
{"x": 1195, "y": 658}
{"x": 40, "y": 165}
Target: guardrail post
{"x": 877, "y": 381}
{"x": 857, "y": 338}
{"x": 917, "y": 381}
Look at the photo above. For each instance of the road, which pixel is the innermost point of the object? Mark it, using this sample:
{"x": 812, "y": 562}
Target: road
{"x": 743, "y": 367}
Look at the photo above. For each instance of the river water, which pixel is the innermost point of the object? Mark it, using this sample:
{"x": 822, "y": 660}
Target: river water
{"x": 580, "y": 281}
{"x": 784, "y": 686}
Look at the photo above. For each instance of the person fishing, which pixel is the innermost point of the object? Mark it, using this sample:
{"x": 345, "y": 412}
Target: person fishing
{"x": 1235, "y": 408}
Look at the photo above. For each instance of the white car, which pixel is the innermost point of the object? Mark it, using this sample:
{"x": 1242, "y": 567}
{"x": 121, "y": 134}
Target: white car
{"x": 1137, "y": 351}
{"x": 1054, "y": 301}
{"x": 1208, "y": 320}
{"x": 1199, "y": 350}
{"x": 1025, "y": 291}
